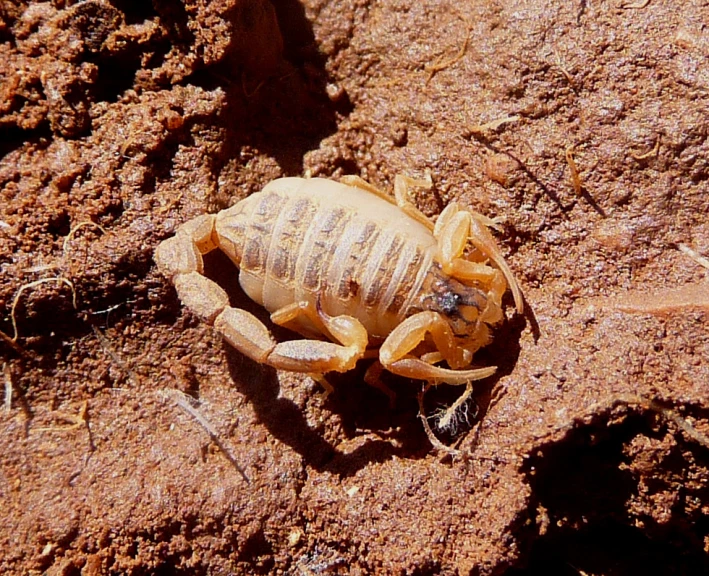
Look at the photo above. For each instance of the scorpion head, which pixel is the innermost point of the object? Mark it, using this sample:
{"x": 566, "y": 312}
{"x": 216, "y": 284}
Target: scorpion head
{"x": 466, "y": 307}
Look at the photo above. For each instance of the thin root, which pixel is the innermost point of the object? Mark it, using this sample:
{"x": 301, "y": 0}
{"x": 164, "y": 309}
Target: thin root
{"x": 8, "y": 388}
{"x": 681, "y": 423}
{"x": 654, "y": 406}
{"x": 171, "y": 204}
{"x": 14, "y": 345}
{"x": 435, "y": 442}
{"x": 457, "y": 412}
{"x": 696, "y": 256}
{"x": 565, "y": 72}
{"x": 69, "y": 283}
{"x": 653, "y": 152}
{"x": 79, "y": 226}
{"x": 127, "y": 370}
{"x": 32, "y": 285}
{"x": 255, "y": 90}
{"x": 573, "y": 169}
{"x": 185, "y": 403}
{"x": 441, "y": 64}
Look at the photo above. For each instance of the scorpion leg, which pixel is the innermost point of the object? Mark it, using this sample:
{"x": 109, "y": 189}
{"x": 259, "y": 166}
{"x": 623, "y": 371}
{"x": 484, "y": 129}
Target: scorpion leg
{"x": 180, "y": 259}
{"x": 395, "y": 353}
{"x": 362, "y": 184}
{"x": 402, "y": 184}
{"x": 283, "y": 316}
{"x": 323, "y": 323}
{"x": 373, "y": 378}
{"x": 316, "y": 356}
{"x": 251, "y": 337}
{"x": 454, "y": 228}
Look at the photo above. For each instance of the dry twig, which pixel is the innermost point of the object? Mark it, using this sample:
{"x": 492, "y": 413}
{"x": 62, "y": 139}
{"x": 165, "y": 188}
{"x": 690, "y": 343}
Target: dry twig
{"x": 185, "y": 403}
{"x": 573, "y": 169}
{"x": 8, "y": 388}
{"x": 635, "y": 5}
{"x": 492, "y": 125}
{"x": 695, "y": 295}
{"x": 696, "y": 256}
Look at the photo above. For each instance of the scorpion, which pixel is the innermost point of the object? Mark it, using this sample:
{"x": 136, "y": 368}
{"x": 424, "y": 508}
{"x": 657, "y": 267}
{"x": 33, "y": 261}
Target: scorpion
{"x": 357, "y": 273}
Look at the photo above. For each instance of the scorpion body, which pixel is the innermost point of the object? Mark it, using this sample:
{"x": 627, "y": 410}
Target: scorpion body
{"x": 321, "y": 242}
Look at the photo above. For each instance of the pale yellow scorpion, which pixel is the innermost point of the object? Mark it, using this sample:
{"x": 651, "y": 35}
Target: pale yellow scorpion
{"x": 358, "y": 273}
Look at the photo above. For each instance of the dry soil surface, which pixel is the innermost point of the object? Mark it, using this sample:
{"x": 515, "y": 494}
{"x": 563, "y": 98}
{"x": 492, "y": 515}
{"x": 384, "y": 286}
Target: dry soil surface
{"x": 582, "y": 125}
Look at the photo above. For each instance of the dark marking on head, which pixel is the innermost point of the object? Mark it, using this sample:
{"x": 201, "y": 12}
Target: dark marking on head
{"x": 460, "y": 303}
{"x": 448, "y": 303}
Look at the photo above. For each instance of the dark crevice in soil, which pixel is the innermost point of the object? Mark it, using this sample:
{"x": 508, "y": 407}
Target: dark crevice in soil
{"x": 116, "y": 75}
{"x": 288, "y": 112}
{"x": 257, "y": 552}
{"x": 46, "y": 317}
{"x": 136, "y": 12}
{"x": 6, "y": 37}
{"x": 12, "y": 137}
{"x": 611, "y": 548}
{"x": 299, "y": 44}
{"x": 174, "y": 14}
{"x": 209, "y": 78}
{"x": 582, "y": 487}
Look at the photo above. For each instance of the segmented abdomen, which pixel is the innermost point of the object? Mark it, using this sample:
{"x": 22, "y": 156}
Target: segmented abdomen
{"x": 357, "y": 253}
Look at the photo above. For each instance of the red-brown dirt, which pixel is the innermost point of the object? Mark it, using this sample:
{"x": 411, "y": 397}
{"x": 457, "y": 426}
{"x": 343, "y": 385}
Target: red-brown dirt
{"x": 587, "y": 451}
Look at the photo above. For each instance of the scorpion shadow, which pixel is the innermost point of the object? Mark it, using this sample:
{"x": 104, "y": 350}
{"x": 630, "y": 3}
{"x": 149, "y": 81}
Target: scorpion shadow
{"x": 286, "y": 421}
{"x": 361, "y": 408}
{"x": 276, "y": 87}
